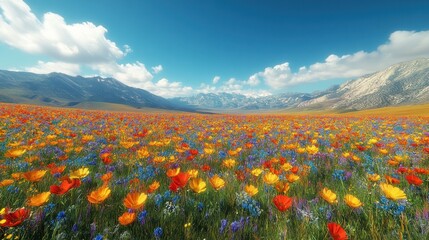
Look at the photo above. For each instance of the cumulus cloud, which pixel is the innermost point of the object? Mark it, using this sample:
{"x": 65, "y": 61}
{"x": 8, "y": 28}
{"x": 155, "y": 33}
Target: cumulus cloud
{"x": 216, "y": 79}
{"x": 401, "y": 46}
{"x": 53, "y": 37}
{"x": 75, "y": 45}
{"x": 165, "y": 88}
{"x": 132, "y": 74}
{"x": 157, "y": 69}
{"x": 48, "y": 67}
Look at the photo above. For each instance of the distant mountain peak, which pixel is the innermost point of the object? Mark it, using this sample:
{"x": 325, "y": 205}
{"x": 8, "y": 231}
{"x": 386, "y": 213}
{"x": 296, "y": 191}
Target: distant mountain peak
{"x": 401, "y": 83}
{"x": 58, "y": 89}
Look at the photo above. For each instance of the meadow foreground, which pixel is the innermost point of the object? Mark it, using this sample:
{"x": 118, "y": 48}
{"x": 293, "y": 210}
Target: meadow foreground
{"x": 75, "y": 174}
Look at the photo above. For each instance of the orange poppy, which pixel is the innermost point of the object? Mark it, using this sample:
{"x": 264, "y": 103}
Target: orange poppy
{"x": 135, "y": 200}
{"x": 38, "y": 199}
{"x": 153, "y": 187}
{"x": 35, "y": 175}
{"x": 99, "y": 195}
{"x": 171, "y": 172}
{"x": 217, "y": 182}
{"x": 6, "y": 182}
{"x": 107, "y": 177}
{"x": 127, "y": 218}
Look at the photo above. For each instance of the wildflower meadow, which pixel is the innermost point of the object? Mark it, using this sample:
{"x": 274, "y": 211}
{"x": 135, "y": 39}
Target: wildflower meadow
{"x": 81, "y": 174}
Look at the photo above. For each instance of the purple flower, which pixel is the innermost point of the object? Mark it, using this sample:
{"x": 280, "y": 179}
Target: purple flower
{"x": 223, "y": 224}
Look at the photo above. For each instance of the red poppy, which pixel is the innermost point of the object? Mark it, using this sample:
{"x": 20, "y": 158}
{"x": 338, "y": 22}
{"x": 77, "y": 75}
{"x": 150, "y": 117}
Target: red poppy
{"x": 267, "y": 164}
{"x": 414, "y": 180}
{"x": 240, "y": 175}
{"x": 65, "y": 186}
{"x": 15, "y": 218}
{"x": 360, "y": 148}
{"x": 336, "y": 231}
{"x": 193, "y": 152}
{"x": 402, "y": 170}
{"x": 181, "y": 179}
{"x": 282, "y": 202}
{"x": 421, "y": 171}
{"x": 294, "y": 169}
{"x": 205, "y": 168}
{"x": 426, "y": 150}
{"x": 190, "y": 157}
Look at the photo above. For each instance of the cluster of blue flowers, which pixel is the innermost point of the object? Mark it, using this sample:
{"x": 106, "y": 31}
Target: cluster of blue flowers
{"x": 145, "y": 173}
{"x": 249, "y": 204}
{"x": 392, "y": 207}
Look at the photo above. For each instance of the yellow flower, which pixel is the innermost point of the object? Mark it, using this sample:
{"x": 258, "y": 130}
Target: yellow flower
{"x": 270, "y": 178}
{"x": 135, "y": 200}
{"x": 2, "y": 211}
{"x": 229, "y": 163}
{"x": 256, "y": 172}
{"x": 197, "y": 185}
{"x": 38, "y": 199}
{"x": 159, "y": 159}
{"x": 328, "y": 195}
{"x": 15, "y": 153}
{"x": 292, "y": 178}
{"x": 250, "y": 190}
{"x": 193, "y": 173}
{"x": 127, "y": 218}
{"x": 312, "y": 149}
{"x": 373, "y": 177}
{"x": 80, "y": 173}
{"x": 392, "y": 192}
{"x": 352, "y": 201}
{"x": 143, "y": 153}
{"x": 286, "y": 167}
{"x": 217, "y": 182}
{"x": 99, "y": 195}
{"x": 6, "y": 182}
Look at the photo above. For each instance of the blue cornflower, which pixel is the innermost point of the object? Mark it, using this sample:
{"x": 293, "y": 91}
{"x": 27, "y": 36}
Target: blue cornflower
{"x": 157, "y": 232}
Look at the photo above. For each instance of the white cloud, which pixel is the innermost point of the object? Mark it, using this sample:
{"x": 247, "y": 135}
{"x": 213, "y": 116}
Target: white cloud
{"x": 253, "y": 80}
{"x": 165, "y": 88}
{"x": 402, "y": 46}
{"x": 127, "y": 49}
{"x": 132, "y": 74}
{"x": 53, "y": 37}
{"x": 157, "y": 69}
{"x": 48, "y": 67}
{"x": 216, "y": 79}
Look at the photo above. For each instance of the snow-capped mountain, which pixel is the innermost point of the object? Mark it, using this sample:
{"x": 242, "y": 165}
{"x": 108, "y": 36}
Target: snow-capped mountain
{"x": 399, "y": 84}
{"x": 239, "y": 101}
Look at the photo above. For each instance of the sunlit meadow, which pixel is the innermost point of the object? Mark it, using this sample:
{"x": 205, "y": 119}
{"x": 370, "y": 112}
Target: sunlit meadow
{"x": 75, "y": 174}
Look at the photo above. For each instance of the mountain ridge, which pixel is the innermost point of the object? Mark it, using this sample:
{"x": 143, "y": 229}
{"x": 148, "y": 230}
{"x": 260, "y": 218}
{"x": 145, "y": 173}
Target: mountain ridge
{"x": 58, "y": 89}
{"x": 399, "y": 84}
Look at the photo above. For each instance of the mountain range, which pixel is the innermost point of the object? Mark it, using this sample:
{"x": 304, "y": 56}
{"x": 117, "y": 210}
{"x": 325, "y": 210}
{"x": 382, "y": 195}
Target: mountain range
{"x": 400, "y": 84}
{"x": 57, "y": 89}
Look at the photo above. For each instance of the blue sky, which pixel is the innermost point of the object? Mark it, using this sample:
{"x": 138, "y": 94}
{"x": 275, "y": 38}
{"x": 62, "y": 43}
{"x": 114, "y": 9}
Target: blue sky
{"x": 177, "y": 48}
